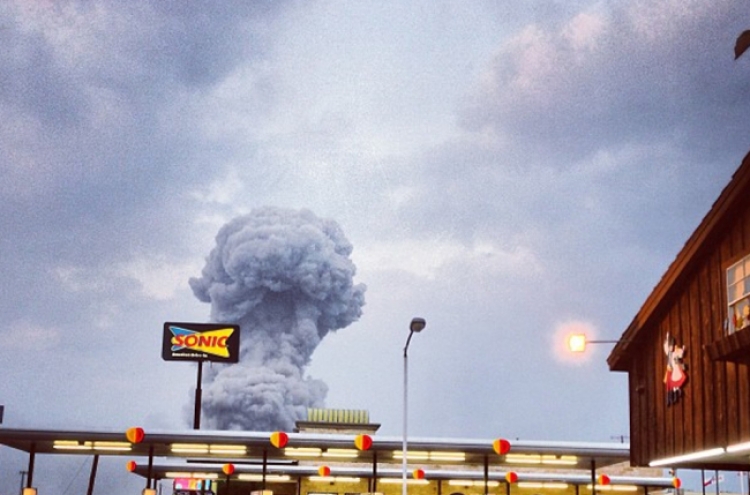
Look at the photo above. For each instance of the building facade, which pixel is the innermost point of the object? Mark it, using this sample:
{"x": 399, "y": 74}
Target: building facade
{"x": 687, "y": 351}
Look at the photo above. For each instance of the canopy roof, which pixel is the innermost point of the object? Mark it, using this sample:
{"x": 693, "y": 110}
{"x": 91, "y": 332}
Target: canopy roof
{"x": 171, "y": 453}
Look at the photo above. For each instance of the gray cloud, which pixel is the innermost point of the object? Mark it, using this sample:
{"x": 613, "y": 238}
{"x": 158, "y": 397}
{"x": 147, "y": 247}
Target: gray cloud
{"x": 100, "y": 138}
{"x": 286, "y": 278}
{"x": 616, "y": 75}
{"x": 98, "y": 101}
{"x": 591, "y": 139}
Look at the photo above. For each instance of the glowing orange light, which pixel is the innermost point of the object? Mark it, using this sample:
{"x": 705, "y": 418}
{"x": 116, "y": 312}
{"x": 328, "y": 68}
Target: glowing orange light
{"x": 511, "y": 477}
{"x": 363, "y": 442}
{"x": 577, "y": 342}
{"x": 324, "y": 471}
{"x": 418, "y": 474}
{"x": 135, "y": 434}
{"x": 676, "y": 482}
{"x": 501, "y": 446}
{"x": 279, "y": 439}
{"x": 130, "y": 466}
{"x": 228, "y": 469}
{"x": 603, "y": 479}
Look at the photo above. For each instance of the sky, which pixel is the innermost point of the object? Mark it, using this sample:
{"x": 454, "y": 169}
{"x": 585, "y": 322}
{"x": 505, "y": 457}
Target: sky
{"x": 508, "y": 171}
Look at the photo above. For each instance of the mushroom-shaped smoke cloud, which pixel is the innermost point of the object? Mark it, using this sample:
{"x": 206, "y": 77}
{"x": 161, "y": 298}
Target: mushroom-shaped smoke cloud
{"x": 286, "y": 278}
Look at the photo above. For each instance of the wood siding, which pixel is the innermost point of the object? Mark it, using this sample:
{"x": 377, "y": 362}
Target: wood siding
{"x": 715, "y": 407}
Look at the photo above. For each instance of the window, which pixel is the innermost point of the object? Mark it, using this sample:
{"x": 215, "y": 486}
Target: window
{"x": 738, "y": 295}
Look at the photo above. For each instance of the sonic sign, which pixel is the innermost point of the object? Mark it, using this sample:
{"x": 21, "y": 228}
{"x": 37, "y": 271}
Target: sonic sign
{"x": 201, "y": 342}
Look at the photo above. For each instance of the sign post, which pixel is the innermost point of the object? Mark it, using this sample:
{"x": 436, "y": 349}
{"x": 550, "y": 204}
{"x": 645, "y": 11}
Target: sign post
{"x": 218, "y": 342}
{"x": 198, "y": 397}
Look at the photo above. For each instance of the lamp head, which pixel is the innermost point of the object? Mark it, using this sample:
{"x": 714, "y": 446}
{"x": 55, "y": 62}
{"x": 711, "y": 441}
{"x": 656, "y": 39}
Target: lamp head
{"x": 417, "y": 324}
{"x": 577, "y": 342}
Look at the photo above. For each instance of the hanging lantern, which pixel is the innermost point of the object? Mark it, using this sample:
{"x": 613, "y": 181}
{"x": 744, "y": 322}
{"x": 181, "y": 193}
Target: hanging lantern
{"x": 228, "y": 469}
{"x": 279, "y": 439}
{"x": 501, "y": 446}
{"x": 603, "y": 480}
{"x": 418, "y": 474}
{"x": 324, "y": 471}
{"x": 363, "y": 442}
{"x": 135, "y": 435}
{"x": 511, "y": 477}
{"x": 676, "y": 482}
{"x": 130, "y": 466}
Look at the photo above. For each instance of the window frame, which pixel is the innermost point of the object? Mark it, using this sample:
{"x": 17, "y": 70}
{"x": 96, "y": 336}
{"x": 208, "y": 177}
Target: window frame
{"x": 737, "y": 286}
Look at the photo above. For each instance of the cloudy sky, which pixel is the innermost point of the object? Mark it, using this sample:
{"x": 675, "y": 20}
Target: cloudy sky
{"x": 506, "y": 170}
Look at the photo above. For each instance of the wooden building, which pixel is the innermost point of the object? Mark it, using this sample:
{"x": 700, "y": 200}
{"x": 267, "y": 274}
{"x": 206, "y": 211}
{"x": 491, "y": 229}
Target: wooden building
{"x": 687, "y": 351}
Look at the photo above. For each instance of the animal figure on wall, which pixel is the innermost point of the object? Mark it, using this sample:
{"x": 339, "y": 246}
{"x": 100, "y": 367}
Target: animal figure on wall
{"x": 676, "y": 373}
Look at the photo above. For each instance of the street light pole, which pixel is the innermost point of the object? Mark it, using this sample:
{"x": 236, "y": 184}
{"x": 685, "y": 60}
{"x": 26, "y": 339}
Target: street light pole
{"x": 417, "y": 325}
{"x": 23, "y": 479}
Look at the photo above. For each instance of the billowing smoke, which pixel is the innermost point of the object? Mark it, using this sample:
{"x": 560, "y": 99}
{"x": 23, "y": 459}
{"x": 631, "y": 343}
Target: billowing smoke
{"x": 286, "y": 278}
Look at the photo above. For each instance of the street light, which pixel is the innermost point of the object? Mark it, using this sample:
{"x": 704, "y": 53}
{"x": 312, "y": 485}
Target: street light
{"x": 577, "y": 342}
{"x": 416, "y": 325}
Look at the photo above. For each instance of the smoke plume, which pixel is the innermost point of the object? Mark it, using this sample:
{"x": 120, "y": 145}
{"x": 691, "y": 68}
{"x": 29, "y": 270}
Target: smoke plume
{"x": 286, "y": 278}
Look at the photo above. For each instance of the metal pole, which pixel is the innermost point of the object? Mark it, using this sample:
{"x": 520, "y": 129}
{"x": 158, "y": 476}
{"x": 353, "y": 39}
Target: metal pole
{"x": 265, "y": 462}
{"x": 593, "y": 477}
{"x": 32, "y": 454}
{"x": 150, "y": 466}
{"x": 23, "y": 478}
{"x": 716, "y": 477}
{"x": 198, "y": 398}
{"x": 92, "y": 476}
{"x": 406, "y": 395}
{"x": 486, "y": 475}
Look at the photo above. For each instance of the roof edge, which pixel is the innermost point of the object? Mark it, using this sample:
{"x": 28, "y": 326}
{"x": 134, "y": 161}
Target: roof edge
{"x": 620, "y": 355}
